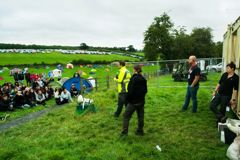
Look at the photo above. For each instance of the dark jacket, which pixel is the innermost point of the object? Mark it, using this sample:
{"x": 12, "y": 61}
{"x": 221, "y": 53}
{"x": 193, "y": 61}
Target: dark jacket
{"x": 137, "y": 89}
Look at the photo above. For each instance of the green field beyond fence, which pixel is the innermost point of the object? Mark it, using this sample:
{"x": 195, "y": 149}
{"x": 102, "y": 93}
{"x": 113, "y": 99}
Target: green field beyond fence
{"x": 56, "y": 57}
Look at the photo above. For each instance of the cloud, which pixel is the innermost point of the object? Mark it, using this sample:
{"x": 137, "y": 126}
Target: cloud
{"x": 105, "y": 22}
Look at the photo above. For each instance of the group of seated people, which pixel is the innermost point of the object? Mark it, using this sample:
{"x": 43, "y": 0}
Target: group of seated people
{"x": 37, "y": 92}
{"x": 20, "y": 96}
{"x": 62, "y": 95}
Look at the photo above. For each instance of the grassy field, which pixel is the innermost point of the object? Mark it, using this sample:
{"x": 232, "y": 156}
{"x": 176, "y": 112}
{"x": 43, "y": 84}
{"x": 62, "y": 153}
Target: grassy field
{"x": 139, "y": 53}
{"x": 55, "y": 57}
{"x": 102, "y": 71}
{"x": 63, "y": 134}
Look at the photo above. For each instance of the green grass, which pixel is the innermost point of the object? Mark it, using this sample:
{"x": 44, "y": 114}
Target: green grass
{"x": 139, "y": 53}
{"x": 55, "y": 57}
{"x": 63, "y": 134}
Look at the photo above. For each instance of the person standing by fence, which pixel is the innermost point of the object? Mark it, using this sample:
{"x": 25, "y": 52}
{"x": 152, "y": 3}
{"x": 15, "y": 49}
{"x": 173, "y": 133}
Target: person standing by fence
{"x": 193, "y": 84}
{"x": 137, "y": 90}
{"x": 122, "y": 79}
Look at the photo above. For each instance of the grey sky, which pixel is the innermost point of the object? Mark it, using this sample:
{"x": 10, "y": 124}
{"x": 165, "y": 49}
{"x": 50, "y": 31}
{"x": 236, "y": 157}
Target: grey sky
{"x": 106, "y": 22}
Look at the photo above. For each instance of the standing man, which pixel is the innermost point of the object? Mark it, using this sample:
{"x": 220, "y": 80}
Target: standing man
{"x": 137, "y": 90}
{"x": 225, "y": 92}
{"x": 122, "y": 79}
{"x": 193, "y": 84}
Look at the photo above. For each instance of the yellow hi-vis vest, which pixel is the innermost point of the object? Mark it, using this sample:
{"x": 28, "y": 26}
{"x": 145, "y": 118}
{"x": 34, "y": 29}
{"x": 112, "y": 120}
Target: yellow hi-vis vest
{"x": 123, "y": 80}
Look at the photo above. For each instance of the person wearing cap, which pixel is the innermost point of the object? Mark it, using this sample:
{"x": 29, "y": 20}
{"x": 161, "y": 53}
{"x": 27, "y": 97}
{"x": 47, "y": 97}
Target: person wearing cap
{"x": 225, "y": 93}
{"x": 122, "y": 79}
{"x": 193, "y": 84}
{"x": 137, "y": 89}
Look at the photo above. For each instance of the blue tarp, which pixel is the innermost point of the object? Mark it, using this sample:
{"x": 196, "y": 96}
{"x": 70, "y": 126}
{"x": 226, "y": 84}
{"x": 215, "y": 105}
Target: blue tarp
{"x": 77, "y": 82}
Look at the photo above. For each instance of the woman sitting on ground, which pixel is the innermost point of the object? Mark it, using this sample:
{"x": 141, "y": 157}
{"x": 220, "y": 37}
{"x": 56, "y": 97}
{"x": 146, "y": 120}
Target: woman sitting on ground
{"x": 40, "y": 98}
{"x": 19, "y": 100}
{"x": 48, "y": 93}
{"x": 57, "y": 95}
{"x": 5, "y": 103}
{"x": 29, "y": 98}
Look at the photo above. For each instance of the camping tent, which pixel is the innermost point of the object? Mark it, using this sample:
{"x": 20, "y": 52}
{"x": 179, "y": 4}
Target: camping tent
{"x": 69, "y": 66}
{"x": 93, "y": 71}
{"x": 77, "y": 82}
{"x": 82, "y": 73}
{"x": 57, "y": 73}
{"x": 63, "y": 80}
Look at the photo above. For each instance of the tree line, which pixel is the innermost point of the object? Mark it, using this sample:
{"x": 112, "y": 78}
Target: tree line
{"x": 82, "y": 46}
{"x": 164, "y": 41}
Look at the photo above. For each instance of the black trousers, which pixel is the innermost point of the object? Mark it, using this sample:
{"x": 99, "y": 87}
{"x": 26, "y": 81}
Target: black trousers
{"x": 130, "y": 109}
{"x": 58, "y": 101}
{"x": 221, "y": 100}
{"x": 41, "y": 102}
{"x": 64, "y": 101}
{"x": 122, "y": 100}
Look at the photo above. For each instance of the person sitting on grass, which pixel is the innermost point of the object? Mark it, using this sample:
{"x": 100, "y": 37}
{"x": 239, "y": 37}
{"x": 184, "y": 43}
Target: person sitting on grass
{"x": 49, "y": 92}
{"x": 29, "y": 98}
{"x": 40, "y": 98}
{"x": 65, "y": 96}
{"x": 19, "y": 100}
{"x": 57, "y": 94}
{"x": 40, "y": 82}
{"x": 74, "y": 91}
{"x": 17, "y": 86}
{"x": 6, "y": 89}
{"x": 5, "y": 103}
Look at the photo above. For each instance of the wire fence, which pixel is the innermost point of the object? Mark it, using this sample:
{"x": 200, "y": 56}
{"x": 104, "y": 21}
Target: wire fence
{"x": 167, "y": 74}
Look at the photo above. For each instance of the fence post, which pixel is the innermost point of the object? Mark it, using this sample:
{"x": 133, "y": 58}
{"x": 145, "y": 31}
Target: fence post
{"x": 81, "y": 86}
{"x": 96, "y": 84}
{"x": 108, "y": 81}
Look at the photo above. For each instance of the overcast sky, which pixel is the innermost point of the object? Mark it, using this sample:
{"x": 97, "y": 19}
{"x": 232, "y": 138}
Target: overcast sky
{"x": 106, "y": 22}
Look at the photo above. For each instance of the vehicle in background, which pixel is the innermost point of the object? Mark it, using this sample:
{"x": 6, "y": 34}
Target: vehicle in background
{"x": 180, "y": 72}
{"x": 215, "y": 68}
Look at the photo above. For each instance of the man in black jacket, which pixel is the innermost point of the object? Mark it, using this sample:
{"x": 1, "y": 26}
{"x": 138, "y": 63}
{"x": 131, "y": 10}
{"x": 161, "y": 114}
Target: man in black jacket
{"x": 137, "y": 89}
{"x": 225, "y": 93}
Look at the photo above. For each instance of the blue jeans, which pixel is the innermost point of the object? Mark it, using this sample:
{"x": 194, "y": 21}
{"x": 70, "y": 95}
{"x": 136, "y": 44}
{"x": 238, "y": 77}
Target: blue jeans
{"x": 191, "y": 93}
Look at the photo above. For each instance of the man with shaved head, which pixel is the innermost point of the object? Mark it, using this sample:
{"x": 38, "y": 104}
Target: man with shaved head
{"x": 193, "y": 84}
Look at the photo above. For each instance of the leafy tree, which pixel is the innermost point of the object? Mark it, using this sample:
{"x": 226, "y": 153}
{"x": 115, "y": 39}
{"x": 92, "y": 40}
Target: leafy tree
{"x": 202, "y": 42}
{"x": 130, "y": 48}
{"x": 158, "y": 38}
{"x": 84, "y": 46}
{"x": 218, "y": 48}
{"x": 182, "y": 45}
